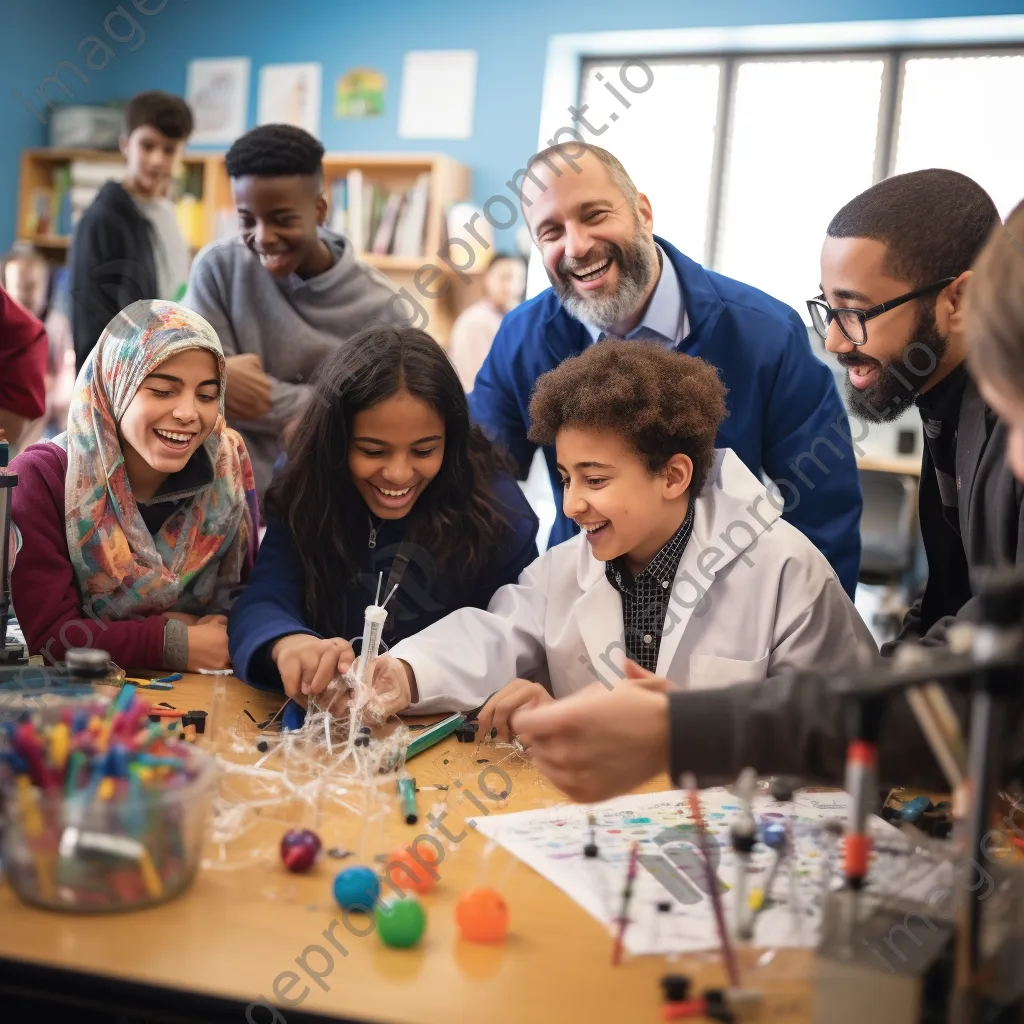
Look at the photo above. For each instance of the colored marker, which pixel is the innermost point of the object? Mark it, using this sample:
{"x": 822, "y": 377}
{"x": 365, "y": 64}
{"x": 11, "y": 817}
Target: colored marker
{"x": 627, "y": 896}
{"x": 407, "y": 794}
{"x": 434, "y": 734}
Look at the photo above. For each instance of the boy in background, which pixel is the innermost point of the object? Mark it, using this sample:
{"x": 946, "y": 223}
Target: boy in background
{"x": 128, "y": 244}
{"x": 475, "y": 328}
{"x": 285, "y": 292}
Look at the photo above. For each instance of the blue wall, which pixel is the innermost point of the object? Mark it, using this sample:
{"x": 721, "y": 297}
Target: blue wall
{"x": 511, "y": 40}
{"x": 35, "y": 38}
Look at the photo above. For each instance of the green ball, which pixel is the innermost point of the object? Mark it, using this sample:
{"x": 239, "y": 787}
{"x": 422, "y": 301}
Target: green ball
{"x": 401, "y": 924}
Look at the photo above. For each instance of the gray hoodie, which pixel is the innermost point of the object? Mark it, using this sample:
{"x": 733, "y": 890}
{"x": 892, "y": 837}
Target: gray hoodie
{"x": 293, "y": 325}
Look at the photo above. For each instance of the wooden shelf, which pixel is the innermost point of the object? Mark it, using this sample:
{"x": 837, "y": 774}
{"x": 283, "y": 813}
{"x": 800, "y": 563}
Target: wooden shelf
{"x": 450, "y": 182}
{"x": 50, "y": 241}
{"x": 384, "y": 262}
{"x": 63, "y": 156}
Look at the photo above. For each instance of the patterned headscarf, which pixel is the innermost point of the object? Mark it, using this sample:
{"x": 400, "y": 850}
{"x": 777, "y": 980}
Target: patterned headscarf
{"x": 197, "y": 555}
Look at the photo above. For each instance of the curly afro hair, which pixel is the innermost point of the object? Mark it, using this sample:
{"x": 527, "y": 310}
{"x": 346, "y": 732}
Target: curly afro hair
{"x": 661, "y": 403}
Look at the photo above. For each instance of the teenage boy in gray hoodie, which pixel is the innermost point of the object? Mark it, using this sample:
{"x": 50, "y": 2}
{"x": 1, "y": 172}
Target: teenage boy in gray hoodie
{"x": 285, "y": 292}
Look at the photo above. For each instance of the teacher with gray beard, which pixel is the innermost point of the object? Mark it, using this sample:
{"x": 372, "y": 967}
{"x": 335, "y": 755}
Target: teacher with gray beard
{"x": 611, "y": 276}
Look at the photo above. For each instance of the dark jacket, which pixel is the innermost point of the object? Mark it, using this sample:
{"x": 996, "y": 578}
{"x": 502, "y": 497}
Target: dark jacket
{"x": 273, "y": 604}
{"x": 796, "y": 725}
{"x": 991, "y": 506}
{"x": 112, "y": 265}
{"x": 785, "y": 415}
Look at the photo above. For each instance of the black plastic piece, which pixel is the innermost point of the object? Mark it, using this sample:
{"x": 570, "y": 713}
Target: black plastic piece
{"x": 675, "y": 988}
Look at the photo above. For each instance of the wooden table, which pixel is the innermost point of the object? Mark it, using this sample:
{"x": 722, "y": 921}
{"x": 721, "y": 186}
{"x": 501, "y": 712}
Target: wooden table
{"x": 903, "y": 465}
{"x": 220, "y": 948}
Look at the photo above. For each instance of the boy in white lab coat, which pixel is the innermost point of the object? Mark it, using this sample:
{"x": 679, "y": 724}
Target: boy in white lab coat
{"x": 683, "y": 565}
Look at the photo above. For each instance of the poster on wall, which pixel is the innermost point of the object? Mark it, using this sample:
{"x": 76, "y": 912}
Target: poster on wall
{"x": 218, "y": 93}
{"x": 438, "y": 94}
{"x": 290, "y": 94}
{"x": 360, "y": 93}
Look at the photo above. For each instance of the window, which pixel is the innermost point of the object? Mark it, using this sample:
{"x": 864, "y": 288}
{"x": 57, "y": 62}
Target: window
{"x": 746, "y": 158}
{"x": 686, "y": 147}
{"x": 956, "y": 112}
{"x": 784, "y": 177}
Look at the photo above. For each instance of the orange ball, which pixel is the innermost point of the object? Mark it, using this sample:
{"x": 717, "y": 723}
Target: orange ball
{"x": 406, "y": 871}
{"x": 482, "y": 916}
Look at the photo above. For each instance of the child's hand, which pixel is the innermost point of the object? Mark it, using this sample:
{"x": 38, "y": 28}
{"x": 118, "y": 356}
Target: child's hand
{"x": 394, "y": 686}
{"x": 248, "y": 388}
{"x": 498, "y": 711}
{"x": 307, "y": 663}
{"x": 598, "y": 744}
{"x": 208, "y": 647}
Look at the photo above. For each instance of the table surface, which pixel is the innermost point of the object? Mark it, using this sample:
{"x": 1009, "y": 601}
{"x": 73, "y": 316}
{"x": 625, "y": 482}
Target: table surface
{"x": 903, "y": 465}
{"x": 235, "y": 931}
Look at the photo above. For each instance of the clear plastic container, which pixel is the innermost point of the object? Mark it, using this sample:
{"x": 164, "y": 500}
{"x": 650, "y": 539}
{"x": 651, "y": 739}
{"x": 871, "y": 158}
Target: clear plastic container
{"x": 132, "y": 850}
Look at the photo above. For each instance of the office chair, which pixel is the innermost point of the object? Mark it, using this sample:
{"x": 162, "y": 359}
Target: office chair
{"x": 889, "y": 539}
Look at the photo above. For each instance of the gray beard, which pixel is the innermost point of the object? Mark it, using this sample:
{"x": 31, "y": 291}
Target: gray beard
{"x": 605, "y": 310}
{"x": 637, "y": 263}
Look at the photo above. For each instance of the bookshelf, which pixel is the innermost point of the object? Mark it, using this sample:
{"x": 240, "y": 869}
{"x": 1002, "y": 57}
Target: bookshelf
{"x": 54, "y": 182}
{"x": 50, "y": 198}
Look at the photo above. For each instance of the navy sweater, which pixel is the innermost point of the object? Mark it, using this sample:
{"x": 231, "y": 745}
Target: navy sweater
{"x": 272, "y": 604}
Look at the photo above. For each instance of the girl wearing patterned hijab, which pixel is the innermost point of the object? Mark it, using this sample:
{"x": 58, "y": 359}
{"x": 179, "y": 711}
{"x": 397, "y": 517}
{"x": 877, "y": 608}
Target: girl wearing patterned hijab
{"x": 136, "y": 527}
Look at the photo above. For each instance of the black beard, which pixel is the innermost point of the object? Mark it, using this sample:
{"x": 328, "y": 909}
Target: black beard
{"x": 637, "y": 262}
{"x": 899, "y": 383}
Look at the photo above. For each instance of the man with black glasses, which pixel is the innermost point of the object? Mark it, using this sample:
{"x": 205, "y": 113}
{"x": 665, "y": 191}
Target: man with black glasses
{"x": 894, "y": 270}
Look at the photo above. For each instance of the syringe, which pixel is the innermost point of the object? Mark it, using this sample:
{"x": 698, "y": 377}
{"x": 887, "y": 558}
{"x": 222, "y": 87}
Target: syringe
{"x": 373, "y": 628}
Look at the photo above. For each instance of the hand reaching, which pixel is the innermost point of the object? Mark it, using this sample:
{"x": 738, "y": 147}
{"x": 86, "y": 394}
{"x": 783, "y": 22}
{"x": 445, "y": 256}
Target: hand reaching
{"x": 392, "y": 689}
{"x": 598, "y": 744}
{"x": 308, "y": 663}
{"x": 498, "y": 711}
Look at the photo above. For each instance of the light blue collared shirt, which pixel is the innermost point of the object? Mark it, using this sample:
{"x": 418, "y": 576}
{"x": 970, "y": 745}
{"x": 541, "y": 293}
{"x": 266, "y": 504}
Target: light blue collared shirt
{"x": 665, "y": 317}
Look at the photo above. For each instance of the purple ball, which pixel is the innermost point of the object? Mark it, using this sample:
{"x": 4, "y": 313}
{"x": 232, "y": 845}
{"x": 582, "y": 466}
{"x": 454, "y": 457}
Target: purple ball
{"x": 299, "y": 849}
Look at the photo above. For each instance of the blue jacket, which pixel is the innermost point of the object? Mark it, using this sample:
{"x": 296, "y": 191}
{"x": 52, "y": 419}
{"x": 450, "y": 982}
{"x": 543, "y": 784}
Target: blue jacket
{"x": 785, "y": 416}
{"x": 272, "y": 605}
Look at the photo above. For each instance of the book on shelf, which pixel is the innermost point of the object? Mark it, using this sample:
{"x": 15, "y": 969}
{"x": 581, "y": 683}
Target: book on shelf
{"x": 386, "y": 222}
{"x": 73, "y": 186}
{"x": 57, "y": 209}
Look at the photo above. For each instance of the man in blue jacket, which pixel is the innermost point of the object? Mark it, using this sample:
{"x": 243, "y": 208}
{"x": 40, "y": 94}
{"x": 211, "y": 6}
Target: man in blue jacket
{"x": 611, "y": 276}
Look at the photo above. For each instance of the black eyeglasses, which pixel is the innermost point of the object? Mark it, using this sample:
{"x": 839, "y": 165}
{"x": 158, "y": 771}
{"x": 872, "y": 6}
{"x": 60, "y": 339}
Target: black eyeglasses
{"x": 853, "y": 322}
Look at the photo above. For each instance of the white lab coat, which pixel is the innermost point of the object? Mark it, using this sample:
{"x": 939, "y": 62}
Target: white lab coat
{"x": 752, "y": 598}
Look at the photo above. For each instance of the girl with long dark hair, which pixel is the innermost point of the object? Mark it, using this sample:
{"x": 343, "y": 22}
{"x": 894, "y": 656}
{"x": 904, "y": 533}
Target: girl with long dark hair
{"x": 387, "y": 483}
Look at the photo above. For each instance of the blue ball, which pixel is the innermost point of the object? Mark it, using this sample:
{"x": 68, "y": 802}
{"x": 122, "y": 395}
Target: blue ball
{"x": 774, "y": 836}
{"x": 356, "y": 888}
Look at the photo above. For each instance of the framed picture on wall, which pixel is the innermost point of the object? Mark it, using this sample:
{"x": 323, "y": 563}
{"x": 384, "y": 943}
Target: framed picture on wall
{"x": 218, "y": 93}
{"x": 290, "y": 94}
